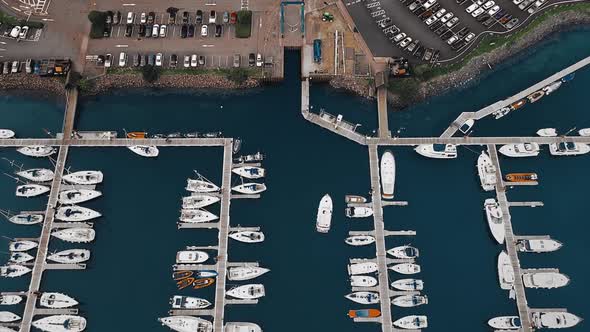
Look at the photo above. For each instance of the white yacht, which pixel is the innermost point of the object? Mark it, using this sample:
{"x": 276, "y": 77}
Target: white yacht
{"x": 486, "y": 171}
{"x": 412, "y": 322}
{"x": 505, "y": 271}
{"x": 75, "y": 196}
{"x": 37, "y": 150}
{"x": 148, "y": 151}
{"x": 70, "y": 256}
{"x": 546, "y": 280}
{"x": 363, "y": 297}
{"x": 404, "y": 252}
{"x": 360, "y": 240}
{"x": 22, "y": 245}
{"x": 387, "y": 169}
{"x": 247, "y": 236}
{"x": 75, "y": 213}
{"x": 20, "y": 257}
{"x": 547, "y": 132}
{"x": 501, "y": 112}
{"x": 187, "y": 324}
{"x": 247, "y": 292}
{"x": 6, "y": 329}
{"x": 26, "y": 218}
{"x": 249, "y": 172}
{"x": 198, "y": 201}
{"x": 31, "y": 190}
{"x": 554, "y": 320}
{"x": 249, "y": 158}
{"x": 406, "y": 268}
{"x": 505, "y": 323}
{"x": 437, "y": 151}
{"x": 188, "y": 302}
{"x": 466, "y": 126}
{"x": 57, "y": 301}
{"x": 75, "y": 234}
{"x": 250, "y": 188}
{"x": 362, "y": 268}
{"x": 10, "y": 299}
{"x": 241, "y": 327}
{"x": 61, "y": 323}
{"x": 408, "y": 301}
{"x": 359, "y": 212}
{"x": 520, "y": 150}
{"x": 191, "y": 257}
{"x": 324, "y": 216}
{"x": 196, "y": 216}
{"x": 84, "y": 177}
{"x": 37, "y": 174}
{"x": 408, "y": 284}
{"x": 7, "y": 317}
{"x": 6, "y": 133}
{"x": 362, "y": 281}
{"x": 13, "y": 270}
{"x": 240, "y": 273}
{"x": 538, "y": 245}
{"x": 552, "y": 87}
{"x": 201, "y": 185}
{"x": 495, "y": 219}
{"x": 568, "y": 149}
{"x": 584, "y": 132}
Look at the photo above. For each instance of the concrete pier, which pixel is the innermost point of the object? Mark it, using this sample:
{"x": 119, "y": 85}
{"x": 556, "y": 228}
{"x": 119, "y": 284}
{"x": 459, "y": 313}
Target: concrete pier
{"x": 382, "y": 111}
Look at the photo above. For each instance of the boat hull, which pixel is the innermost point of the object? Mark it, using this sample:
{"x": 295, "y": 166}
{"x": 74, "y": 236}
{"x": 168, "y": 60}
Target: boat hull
{"x": 387, "y": 171}
{"x": 58, "y": 322}
{"x": 324, "y": 215}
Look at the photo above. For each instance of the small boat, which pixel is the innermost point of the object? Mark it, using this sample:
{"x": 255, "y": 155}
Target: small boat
{"x": 466, "y": 126}
{"x": 362, "y": 268}
{"x": 520, "y": 150}
{"x": 545, "y": 280}
{"x": 387, "y": 169}
{"x": 184, "y": 283}
{"x": 505, "y": 323}
{"x": 213, "y": 134}
{"x": 205, "y": 274}
{"x": 75, "y": 196}
{"x": 31, "y": 190}
{"x": 61, "y": 323}
{"x": 174, "y": 135}
{"x": 552, "y": 87}
{"x": 187, "y": 324}
{"x": 188, "y": 302}
{"x": 505, "y": 271}
{"x": 236, "y": 146}
{"x": 358, "y": 212}
{"x": 250, "y": 188}
{"x": 247, "y": 292}
{"x": 27, "y": 218}
{"x": 364, "y": 313}
{"x": 538, "y": 245}
{"x": 193, "y": 134}
{"x": 554, "y": 320}
{"x": 360, "y": 240}
{"x": 568, "y": 77}
{"x": 37, "y": 150}
{"x": 518, "y": 104}
{"x": 201, "y": 185}
{"x": 239, "y": 273}
{"x": 22, "y": 245}
{"x": 408, "y": 301}
{"x": 404, "y": 252}
{"x": 84, "y": 177}
{"x": 247, "y": 236}
{"x": 521, "y": 177}
{"x": 408, "y": 284}
{"x": 535, "y": 96}
{"x": 584, "y": 132}
{"x": 437, "y": 151}
{"x": 495, "y": 221}
{"x": 568, "y": 149}
{"x": 57, "y": 301}
{"x": 363, "y": 281}
{"x": 70, "y": 256}
{"x": 486, "y": 171}
{"x": 75, "y": 234}
{"x": 7, "y": 317}
{"x": 198, "y": 201}
{"x": 75, "y": 213}
{"x": 241, "y": 327}
{"x": 137, "y": 134}
{"x": 354, "y": 199}
{"x": 203, "y": 282}
{"x": 191, "y": 257}
{"x": 20, "y": 257}
{"x": 6, "y": 133}
{"x": 363, "y": 297}
{"x": 148, "y": 151}
{"x": 13, "y": 271}
{"x": 406, "y": 268}
{"x": 157, "y": 136}
{"x": 412, "y": 322}
{"x": 250, "y": 158}
{"x": 196, "y": 215}
{"x": 250, "y": 172}
{"x": 37, "y": 174}
{"x": 547, "y": 132}
{"x": 10, "y": 299}
{"x": 501, "y": 112}
{"x": 179, "y": 275}
{"x": 324, "y": 216}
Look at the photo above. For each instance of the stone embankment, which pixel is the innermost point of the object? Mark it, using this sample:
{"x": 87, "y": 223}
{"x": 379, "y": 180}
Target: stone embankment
{"x": 22, "y": 82}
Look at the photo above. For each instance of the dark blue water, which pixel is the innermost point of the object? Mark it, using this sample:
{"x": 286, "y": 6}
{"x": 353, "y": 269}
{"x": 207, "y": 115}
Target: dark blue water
{"x": 128, "y": 284}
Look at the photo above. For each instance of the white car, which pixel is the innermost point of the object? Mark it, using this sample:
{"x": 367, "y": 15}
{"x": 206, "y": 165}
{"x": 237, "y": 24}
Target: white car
{"x": 452, "y": 22}
{"x": 478, "y": 12}
{"x": 428, "y": 4}
{"x": 452, "y": 39}
{"x": 15, "y": 32}
{"x": 15, "y": 66}
{"x": 23, "y": 32}
{"x": 447, "y": 17}
{"x": 187, "y": 61}
{"x": 142, "y": 18}
{"x": 488, "y": 5}
{"x": 440, "y": 13}
{"x": 471, "y": 8}
{"x": 159, "y": 60}
{"x": 469, "y": 37}
{"x": 204, "y": 31}
{"x": 212, "y": 17}
{"x": 122, "y": 59}
{"x": 107, "y": 60}
{"x": 156, "y": 30}
{"x": 431, "y": 20}
{"x": 130, "y": 17}
{"x": 193, "y": 60}
{"x": 399, "y": 37}
{"x": 163, "y": 30}
{"x": 494, "y": 10}
{"x": 480, "y": 2}
{"x": 517, "y": 2}
{"x": 259, "y": 61}
{"x": 405, "y": 42}
{"x": 531, "y": 10}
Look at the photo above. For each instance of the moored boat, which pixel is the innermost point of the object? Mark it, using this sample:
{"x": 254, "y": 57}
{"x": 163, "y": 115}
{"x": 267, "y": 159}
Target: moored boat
{"x": 501, "y": 112}
{"x": 205, "y": 274}
{"x": 412, "y": 322}
{"x": 187, "y": 324}
{"x": 37, "y": 174}
{"x": 568, "y": 77}
{"x": 568, "y": 149}
{"x": 185, "y": 282}
{"x": 188, "y": 302}
{"x": 57, "y": 301}
{"x": 22, "y": 245}
{"x": 26, "y": 218}
{"x": 520, "y": 150}
{"x": 354, "y": 199}
{"x": 518, "y": 104}
{"x": 148, "y": 151}
{"x": 61, "y": 323}
{"x": 404, "y": 252}
{"x": 198, "y": 201}
{"x": 250, "y": 188}
{"x": 408, "y": 284}
{"x": 75, "y": 234}
{"x": 191, "y": 257}
{"x": 241, "y": 327}
{"x": 486, "y": 171}
{"x": 505, "y": 271}
{"x": 546, "y": 280}
{"x": 137, "y": 134}
{"x": 75, "y": 196}
{"x": 363, "y": 281}
{"x": 196, "y": 216}
{"x": 250, "y": 172}
{"x": 363, "y": 297}
{"x": 7, "y": 317}
{"x": 406, "y": 268}
{"x": 358, "y": 212}
{"x": 554, "y": 320}
{"x": 247, "y": 292}
{"x": 547, "y": 132}
{"x": 179, "y": 275}
{"x": 535, "y": 96}
{"x": 359, "y": 240}
{"x": 364, "y": 313}
{"x": 437, "y": 151}
{"x": 20, "y": 257}
{"x": 387, "y": 171}
{"x": 466, "y": 126}
{"x": 247, "y": 236}
{"x": 201, "y": 185}
{"x": 324, "y": 215}
{"x": 240, "y": 273}
{"x": 31, "y": 190}
{"x": 203, "y": 282}
{"x": 362, "y": 268}
{"x": 13, "y": 270}
{"x": 6, "y": 329}
{"x": 84, "y": 177}
{"x": 521, "y": 177}
{"x": 70, "y": 256}
{"x": 10, "y": 299}
{"x": 495, "y": 221}
{"x": 6, "y": 133}
{"x": 407, "y": 301}
{"x": 249, "y": 158}
{"x": 75, "y": 213}
{"x": 552, "y": 87}
{"x": 584, "y": 132}
{"x": 37, "y": 150}
{"x": 538, "y": 245}
{"x": 505, "y": 323}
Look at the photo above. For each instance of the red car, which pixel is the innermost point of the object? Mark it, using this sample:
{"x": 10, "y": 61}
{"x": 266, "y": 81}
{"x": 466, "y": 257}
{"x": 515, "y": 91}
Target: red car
{"x": 233, "y": 18}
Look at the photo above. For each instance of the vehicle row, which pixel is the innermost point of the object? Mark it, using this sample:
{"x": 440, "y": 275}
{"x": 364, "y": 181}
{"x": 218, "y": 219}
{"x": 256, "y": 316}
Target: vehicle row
{"x": 150, "y": 18}
{"x": 17, "y": 32}
{"x": 532, "y": 5}
{"x": 162, "y": 31}
{"x": 13, "y": 67}
{"x": 487, "y": 12}
{"x": 157, "y": 60}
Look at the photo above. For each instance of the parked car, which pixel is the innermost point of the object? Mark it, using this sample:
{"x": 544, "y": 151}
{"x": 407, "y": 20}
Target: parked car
{"x": 452, "y": 22}
{"x": 478, "y": 12}
{"x": 23, "y": 32}
{"x": 117, "y": 17}
{"x": 128, "y": 30}
{"x": 201, "y": 60}
{"x": 173, "y": 61}
{"x": 251, "y": 59}
{"x": 204, "y": 31}
{"x": 399, "y": 37}
{"x": 512, "y": 23}
{"x": 405, "y": 42}
{"x": 191, "y": 31}
{"x": 142, "y": 18}
{"x": 151, "y": 17}
{"x": 494, "y": 10}
{"x": 183, "y": 31}
{"x": 488, "y": 5}
{"x": 233, "y": 18}
{"x": 429, "y": 4}
{"x": 122, "y": 59}
{"x": 15, "y": 67}
{"x": 414, "y": 5}
{"x": 212, "y": 17}
{"x": 156, "y": 30}
{"x": 172, "y": 18}
{"x": 471, "y": 8}
{"x": 469, "y": 37}
{"x": 447, "y": 17}
{"x": 185, "y": 17}
{"x": 151, "y": 59}
{"x": 14, "y": 33}
{"x": 136, "y": 59}
{"x": 159, "y": 60}
{"x": 431, "y": 20}
{"x": 6, "y": 68}
{"x": 99, "y": 60}
{"x": 141, "y": 32}
{"x": 142, "y": 60}
{"x": 194, "y": 60}
{"x": 225, "y": 17}
{"x": 218, "y": 30}
{"x": 412, "y": 47}
{"x": 199, "y": 17}
{"x": 237, "y": 59}
{"x": 259, "y": 61}
{"x": 517, "y": 2}
{"x": 108, "y": 60}
{"x": 130, "y": 17}
{"x": 148, "y": 31}
{"x": 163, "y": 31}
{"x": 28, "y": 66}
{"x": 453, "y": 39}
{"x": 187, "y": 61}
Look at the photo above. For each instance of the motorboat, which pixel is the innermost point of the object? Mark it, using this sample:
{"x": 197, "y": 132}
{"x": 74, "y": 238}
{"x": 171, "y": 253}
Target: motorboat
{"x": 22, "y": 245}
{"x": 364, "y": 313}
{"x": 354, "y": 199}
{"x": 240, "y": 273}
{"x": 84, "y": 177}
{"x": 387, "y": 171}
{"x": 241, "y": 327}
{"x": 75, "y": 234}
{"x": 203, "y": 282}
{"x": 57, "y": 301}
{"x": 505, "y": 271}
{"x": 518, "y": 104}
{"x": 247, "y": 236}
{"x": 535, "y": 96}
{"x": 584, "y": 132}
{"x": 360, "y": 240}
{"x": 407, "y": 301}
{"x": 148, "y": 151}
{"x": 521, "y": 177}
{"x": 179, "y": 275}
{"x": 250, "y": 158}
{"x": 547, "y": 132}
{"x": 196, "y": 215}
{"x": 185, "y": 282}
{"x": 437, "y": 151}
{"x": 501, "y": 112}
{"x": 70, "y": 256}
{"x": 187, "y": 324}
{"x": 554, "y": 320}
{"x": 27, "y": 218}
{"x": 191, "y": 257}
{"x": 324, "y": 216}
{"x": 37, "y": 174}
{"x": 137, "y": 134}
{"x": 188, "y": 302}
{"x": 404, "y": 252}
{"x": 13, "y": 270}
{"x": 546, "y": 280}
{"x": 406, "y": 268}
{"x": 520, "y": 150}
{"x": 568, "y": 149}
{"x": 358, "y": 211}
{"x": 412, "y": 322}
{"x": 205, "y": 274}
{"x": 466, "y": 126}
{"x": 250, "y": 188}
{"x": 363, "y": 297}
{"x": 408, "y": 284}
{"x": 552, "y": 87}
{"x": 175, "y": 134}
{"x": 236, "y": 146}
{"x": 201, "y": 185}
{"x": 6, "y": 133}
{"x": 247, "y": 292}
{"x": 31, "y": 190}
{"x": 212, "y": 134}
{"x": 75, "y": 196}
{"x": 193, "y": 134}
{"x": 505, "y": 323}
{"x": 7, "y": 317}
{"x": 37, "y": 150}
{"x": 198, "y": 201}
{"x": 568, "y": 77}
{"x": 538, "y": 245}
{"x": 20, "y": 257}
{"x": 249, "y": 172}
{"x": 75, "y": 213}
{"x": 10, "y": 299}
{"x": 495, "y": 219}
{"x": 362, "y": 281}
{"x": 61, "y": 323}
{"x": 362, "y": 268}
{"x": 486, "y": 171}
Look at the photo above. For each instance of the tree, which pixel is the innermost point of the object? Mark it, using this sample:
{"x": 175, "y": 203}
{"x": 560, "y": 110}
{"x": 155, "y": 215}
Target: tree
{"x": 150, "y": 73}
{"x": 98, "y": 20}
{"x": 237, "y": 75}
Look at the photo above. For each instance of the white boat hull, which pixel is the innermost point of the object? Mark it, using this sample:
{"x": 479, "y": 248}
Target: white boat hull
{"x": 387, "y": 171}
{"x": 75, "y": 196}
{"x": 324, "y": 216}
{"x": 568, "y": 149}
{"x": 241, "y": 327}
{"x": 76, "y": 213}
{"x": 360, "y": 240}
{"x": 408, "y": 284}
{"x": 191, "y": 257}
{"x": 364, "y": 297}
{"x": 13, "y": 270}
{"x": 70, "y": 256}
{"x": 505, "y": 323}
{"x": 187, "y": 324}
{"x": 21, "y": 246}
{"x": 250, "y": 188}
{"x": 250, "y": 172}
{"x": 37, "y": 151}
{"x": 247, "y": 236}
{"x": 188, "y": 302}
{"x": 57, "y": 301}
{"x": 408, "y": 301}
{"x": 20, "y": 257}
{"x": 406, "y": 268}
{"x": 197, "y": 216}
{"x": 240, "y": 273}
{"x": 545, "y": 280}
{"x": 75, "y": 235}
{"x": 31, "y": 190}
{"x": 363, "y": 281}
{"x": 84, "y": 177}
{"x": 27, "y": 219}
{"x": 58, "y": 323}
{"x": 198, "y": 201}
{"x": 6, "y": 133}
{"x": 37, "y": 174}
{"x": 555, "y": 320}
{"x": 247, "y": 292}
{"x": 412, "y": 322}
{"x": 10, "y": 299}
{"x": 8, "y": 317}
{"x": 362, "y": 268}
{"x": 201, "y": 186}
{"x": 538, "y": 245}
{"x": 486, "y": 172}
{"x": 449, "y": 151}
{"x": 505, "y": 271}
{"x": 520, "y": 150}
{"x": 148, "y": 151}
{"x": 495, "y": 220}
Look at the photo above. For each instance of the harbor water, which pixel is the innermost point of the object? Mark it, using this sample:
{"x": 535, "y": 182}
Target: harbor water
{"x": 128, "y": 283}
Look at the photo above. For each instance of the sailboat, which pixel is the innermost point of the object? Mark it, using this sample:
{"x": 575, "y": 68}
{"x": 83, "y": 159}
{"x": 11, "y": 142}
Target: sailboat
{"x": 363, "y": 297}
{"x": 196, "y": 216}
{"x": 6, "y": 133}
{"x": 250, "y": 172}
{"x": 240, "y": 273}
{"x": 57, "y": 300}
{"x": 13, "y": 270}
{"x": 26, "y": 218}
{"x": 148, "y": 151}
{"x": 387, "y": 169}
{"x": 37, "y": 151}
{"x": 37, "y": 174}
{"x": 412, "y": 322}
{"x": 84, "y": 177}
{"x": 250, "y": 188}
{"x": 20, "y": 257}
{"x": 201, "y": 185}
{"x": 404, "y": 252}
{"x": 247, "y": 236}
{"x": 362, "y": 268}
{"x": 31, "y": 190}
{"x": 10, "y": 299}
{"x": 408, "y": 284}
{"x": 22, "y": 245}
{"x": 75, "y": 196}
{"x": 75, "y": 213}
{"x": 247, "y": 292}
{"x": 362, "y": 281}
{"x": 407, "y": 301}
{"x": 75, "y": 234}
{"x": 188, "y": 302}
{"x": 406, "y": 268}
{"x": 187, "y": 324}
{"x": 61, "y": 323}
{"x": 70, "y": 256}
{"x": 324, "y": 216}
{"x": 360, "y": 240}
{"x": 241, "y": 327}
{"x": 197, "y": 201}
{"x": 7, "y": 317}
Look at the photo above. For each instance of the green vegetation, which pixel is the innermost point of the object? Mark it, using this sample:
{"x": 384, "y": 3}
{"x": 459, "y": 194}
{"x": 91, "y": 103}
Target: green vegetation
{"x": 98, "y": 20}
{"x": 405, "y": 88}
{"x": 11, "y": 20}
{"x": 237, "y": 75}
{"x": 150, "y": 73}
{"x": 244, "y": 24}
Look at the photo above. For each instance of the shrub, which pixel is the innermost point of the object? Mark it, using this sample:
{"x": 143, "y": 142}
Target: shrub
{"x": 244, "y": 24}
{"x": 98, "y": 20}
{"x": 405, "y": 88}
{"x": 237, "y": 75}
{"x": 150, "y": 73}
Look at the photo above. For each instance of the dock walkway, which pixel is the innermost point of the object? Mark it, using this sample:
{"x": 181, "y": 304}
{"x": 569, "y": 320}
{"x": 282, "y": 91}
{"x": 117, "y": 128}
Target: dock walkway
{"x": 382, "y": 111}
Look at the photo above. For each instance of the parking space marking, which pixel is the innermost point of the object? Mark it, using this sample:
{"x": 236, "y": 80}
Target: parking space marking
{"x": 121, "y": 46}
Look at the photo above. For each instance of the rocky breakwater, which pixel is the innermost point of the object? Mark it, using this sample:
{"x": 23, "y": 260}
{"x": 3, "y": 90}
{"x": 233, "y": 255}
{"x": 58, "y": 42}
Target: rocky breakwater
{"x": 28, "y": 82}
